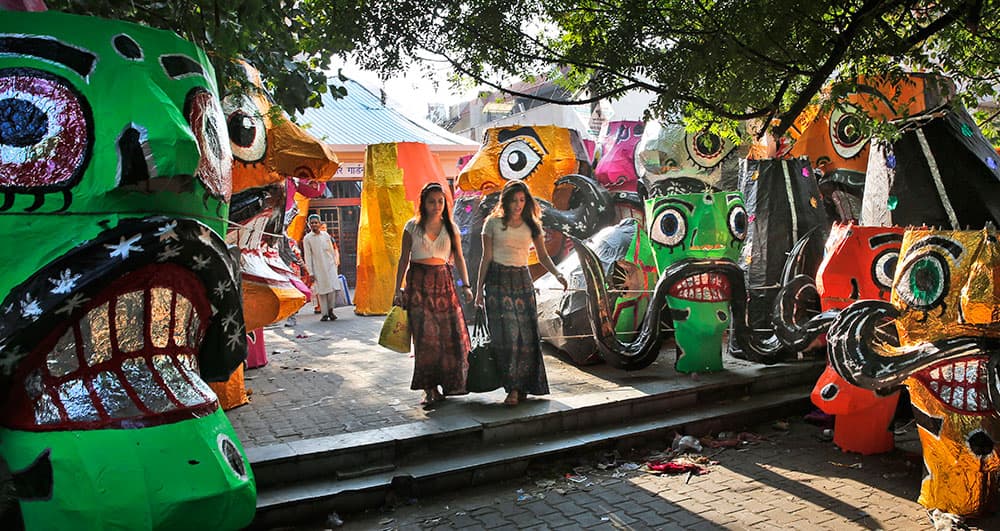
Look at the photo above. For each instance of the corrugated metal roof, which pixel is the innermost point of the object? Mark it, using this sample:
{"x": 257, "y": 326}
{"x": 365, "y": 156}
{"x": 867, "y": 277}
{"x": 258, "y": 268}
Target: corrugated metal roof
{"x": 361, "y": 118}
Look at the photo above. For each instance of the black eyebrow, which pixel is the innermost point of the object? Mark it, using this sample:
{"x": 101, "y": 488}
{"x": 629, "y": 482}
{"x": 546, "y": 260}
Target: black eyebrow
{"x": 507, "y": 134}
{"x": 952, "y": 247}
{"x": 881, "y": 239}
{"x": 731, "y": 197}
{"x": 80, "y": 61}
{"x": 689, "y": 206}
{"x": 177, "y": 66}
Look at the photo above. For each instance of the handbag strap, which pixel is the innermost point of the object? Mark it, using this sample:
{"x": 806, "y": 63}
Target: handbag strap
{"x": 480, "y": 329}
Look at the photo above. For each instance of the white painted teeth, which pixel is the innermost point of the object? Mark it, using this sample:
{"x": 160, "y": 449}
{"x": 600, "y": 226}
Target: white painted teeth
{"x": 957, "y": 384}
{"x": 172, "y": 325}
{"x": 972, "y": 371}
{"x": 958, "y": 398}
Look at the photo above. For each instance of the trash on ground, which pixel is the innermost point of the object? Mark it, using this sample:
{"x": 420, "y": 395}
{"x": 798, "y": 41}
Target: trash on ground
{"x": 780, "y": 425}
{"x": 576, "y": 478}
{"x": 846, "y": 465}
{"x": 333, "y": 520}
{"x": 677, "y": 466}
{"x": 729, "y": 439}
{"x": 686, "y": 443}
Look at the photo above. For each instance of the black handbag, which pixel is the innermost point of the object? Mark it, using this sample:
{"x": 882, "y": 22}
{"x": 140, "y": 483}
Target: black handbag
{"x": 484, "y": 376}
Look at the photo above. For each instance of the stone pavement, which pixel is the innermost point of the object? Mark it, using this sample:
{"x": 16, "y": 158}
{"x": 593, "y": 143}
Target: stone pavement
{"x": 329, "y": 378}
{"x": 789, "y": 480}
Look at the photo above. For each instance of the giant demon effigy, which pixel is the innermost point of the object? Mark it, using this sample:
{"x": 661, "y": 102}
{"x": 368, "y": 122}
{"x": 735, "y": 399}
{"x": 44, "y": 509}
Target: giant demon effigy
{"x": 937, "y": 336}
{"x": 859, "y": 264}
{"x": 122, "y": 299}
{"x": 268, "y": 152}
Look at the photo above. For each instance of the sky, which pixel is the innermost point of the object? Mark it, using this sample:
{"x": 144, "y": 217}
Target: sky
{"x": 409, "y": 93}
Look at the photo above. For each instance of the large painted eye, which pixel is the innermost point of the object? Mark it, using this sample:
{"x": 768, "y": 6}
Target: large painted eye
{"x": 669, "y": 227}
{"x": 247, "y": 132}
{"x": 518, "y": 160}
{"x": 847, "y": 130}
{"x": 706, "y": 149}
{"x": 884, "y": 268}
{"x": 215, "y": 166}
{"x": 738, "y": 222}
{"x": 924, "y": 282}
{"x": 46, "y": 131}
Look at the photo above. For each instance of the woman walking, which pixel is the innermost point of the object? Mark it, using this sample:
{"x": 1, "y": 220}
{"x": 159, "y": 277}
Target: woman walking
{"x": 440, "y": 338}
{"x": 505, "y": 285}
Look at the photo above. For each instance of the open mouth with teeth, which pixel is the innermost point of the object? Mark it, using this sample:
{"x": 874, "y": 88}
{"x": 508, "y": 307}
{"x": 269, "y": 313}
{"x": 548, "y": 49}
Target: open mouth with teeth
{"x": 129, "y": 359}
{"x": 704, "y": 287}
{"x": 81, "y": 351}
{"x": 960, "y": 385}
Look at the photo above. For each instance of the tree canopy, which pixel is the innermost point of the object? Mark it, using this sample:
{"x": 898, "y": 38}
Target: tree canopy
{"x": 715, "y": 60}
{"x": 725, "y": 59}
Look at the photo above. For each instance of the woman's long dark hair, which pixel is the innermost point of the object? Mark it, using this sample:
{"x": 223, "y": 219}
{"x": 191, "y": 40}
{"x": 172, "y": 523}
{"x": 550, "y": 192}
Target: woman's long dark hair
{"x": 422, "y": 211}
{"x": 531, "y": 214}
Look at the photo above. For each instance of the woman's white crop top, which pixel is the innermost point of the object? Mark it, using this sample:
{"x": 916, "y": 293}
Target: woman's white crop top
{"x": 423, "y": 248}
{"x": 511, "y": 246}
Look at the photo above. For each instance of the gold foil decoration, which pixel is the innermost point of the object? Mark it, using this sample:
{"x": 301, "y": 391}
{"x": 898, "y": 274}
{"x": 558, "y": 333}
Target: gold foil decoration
{"x": 394, "y": 175}
{"x": 62, "y": 360}
{"x": 958, "y": 481}
{"x": 182, "y": 316}
{"x": 274, "y": 147}
{"x": 95, "y": 331}
{"x": 944, "y": 285}
{"x": 538, "y": 155}
{"x": 129, "y": 319}
{"x": 160, "y": 311}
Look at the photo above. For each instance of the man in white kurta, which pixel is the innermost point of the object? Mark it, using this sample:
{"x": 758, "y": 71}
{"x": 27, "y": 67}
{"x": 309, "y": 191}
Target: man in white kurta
{"x": 322, "y": 259}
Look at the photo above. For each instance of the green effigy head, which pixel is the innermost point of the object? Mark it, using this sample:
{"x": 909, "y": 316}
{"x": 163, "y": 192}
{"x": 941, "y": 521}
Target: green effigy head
{"x": 707, "y": 226}
{"x": 119, "y": 294}
{"x": 710, "y": 225}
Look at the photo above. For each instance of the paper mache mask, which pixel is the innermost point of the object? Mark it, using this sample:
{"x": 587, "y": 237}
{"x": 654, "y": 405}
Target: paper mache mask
{"x": 122, "y": 298}
{"x": 859, "y": 263}
{"x": 703, "y": 226}
{"x": 943, "y": 346}
{"x": 616, "y": 169}
{"x": 667, "y": 152}
{"x": 538, "y": 155}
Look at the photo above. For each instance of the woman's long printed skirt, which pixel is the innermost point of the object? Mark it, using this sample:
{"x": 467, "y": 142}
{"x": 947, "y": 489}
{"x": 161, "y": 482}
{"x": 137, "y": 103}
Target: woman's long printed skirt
{"x": 510, "y": 308}
{"x": 440, "y": 338}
